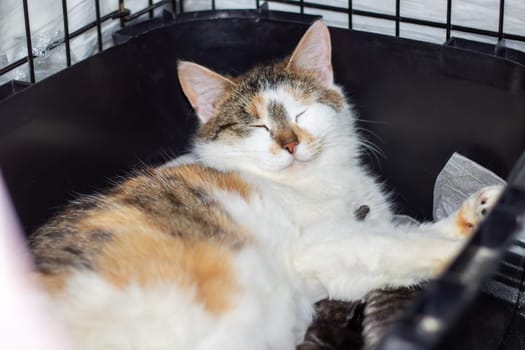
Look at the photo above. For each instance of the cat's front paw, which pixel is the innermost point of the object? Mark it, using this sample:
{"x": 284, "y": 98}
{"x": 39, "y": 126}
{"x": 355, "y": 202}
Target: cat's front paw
{"x": 475, "y": 208}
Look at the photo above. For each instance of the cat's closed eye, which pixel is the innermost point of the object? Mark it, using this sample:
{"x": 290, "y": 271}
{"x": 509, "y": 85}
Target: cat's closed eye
{"x": 261, "y": 126}
{"x": 299, "y": 115}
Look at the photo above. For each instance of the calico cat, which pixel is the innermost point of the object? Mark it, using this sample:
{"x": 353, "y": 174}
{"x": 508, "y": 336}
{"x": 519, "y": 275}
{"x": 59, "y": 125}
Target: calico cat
{"x": 231, "y": 247}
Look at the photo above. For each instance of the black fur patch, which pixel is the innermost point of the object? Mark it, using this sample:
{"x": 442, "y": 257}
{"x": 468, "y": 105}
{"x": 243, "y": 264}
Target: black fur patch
{"x": 102, "y": 236}
{"x": 361, "y": 212}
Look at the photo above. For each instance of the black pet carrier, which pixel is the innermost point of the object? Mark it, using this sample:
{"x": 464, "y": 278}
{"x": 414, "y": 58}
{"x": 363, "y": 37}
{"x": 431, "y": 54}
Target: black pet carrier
{"x": 73, "y": 131}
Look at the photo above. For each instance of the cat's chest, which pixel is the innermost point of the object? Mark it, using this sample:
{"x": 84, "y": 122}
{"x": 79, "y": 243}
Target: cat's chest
{"x": 277, "y": 210}
{"x": 309, "y": 207}
{"x": 351, "y": 193}
{"x": 310, "y": 210}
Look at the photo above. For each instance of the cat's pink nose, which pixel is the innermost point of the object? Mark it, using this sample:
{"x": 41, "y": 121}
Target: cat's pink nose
{"x": 291, "y": 146}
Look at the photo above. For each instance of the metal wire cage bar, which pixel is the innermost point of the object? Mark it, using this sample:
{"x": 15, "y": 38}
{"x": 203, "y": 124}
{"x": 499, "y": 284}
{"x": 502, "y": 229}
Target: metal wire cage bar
{"x": 121, "y": 13}
{"x": 177, "y": 6}
{"x": 398, "y": 18}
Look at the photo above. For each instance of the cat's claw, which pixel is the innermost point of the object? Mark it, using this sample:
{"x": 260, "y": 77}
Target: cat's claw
{"x": 475, "y": 208}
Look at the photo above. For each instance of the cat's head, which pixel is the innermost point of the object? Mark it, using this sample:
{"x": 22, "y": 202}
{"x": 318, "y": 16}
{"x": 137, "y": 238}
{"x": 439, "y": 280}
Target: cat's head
{"x": 274, "y": 119}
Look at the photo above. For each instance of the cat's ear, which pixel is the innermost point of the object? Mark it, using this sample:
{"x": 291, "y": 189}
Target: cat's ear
{"x": 314, "y": 53}
{"x": 203, "y": 87}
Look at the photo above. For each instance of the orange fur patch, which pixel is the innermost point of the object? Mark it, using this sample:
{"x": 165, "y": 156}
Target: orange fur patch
{"x": 303, "y": 135}
{"x": 117, "y": 220}
{"x": 285, "y": 136}
{"x": 208, "y": 178}
{"x": 307, "y": 138}
{"x": 52, "y": 283}
{"x": 465, "y": 227}
{"x": 257, "y": 106}
{"x": 154, "y": 258}
{"x": 275, "y": 149}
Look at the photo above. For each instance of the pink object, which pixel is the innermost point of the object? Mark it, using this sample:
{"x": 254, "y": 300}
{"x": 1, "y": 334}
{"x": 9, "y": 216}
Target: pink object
{"x": 24, "y": 319}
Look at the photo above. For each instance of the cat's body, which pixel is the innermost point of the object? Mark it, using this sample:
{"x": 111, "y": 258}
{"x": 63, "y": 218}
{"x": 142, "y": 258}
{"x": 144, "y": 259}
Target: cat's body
{"x": 231, "y": 250}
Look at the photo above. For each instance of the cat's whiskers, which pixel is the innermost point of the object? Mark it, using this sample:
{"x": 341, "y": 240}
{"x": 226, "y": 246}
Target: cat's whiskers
{"x": 370, "y": 132}
{"x": 372, "y": 121}
{"x": 330, "y": 142}
{"x": 372, "y": 152}
{"x": 370, "y": 147}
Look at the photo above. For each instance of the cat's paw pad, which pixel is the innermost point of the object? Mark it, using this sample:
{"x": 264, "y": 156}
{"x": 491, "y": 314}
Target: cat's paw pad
{"x": 475, "y": 208}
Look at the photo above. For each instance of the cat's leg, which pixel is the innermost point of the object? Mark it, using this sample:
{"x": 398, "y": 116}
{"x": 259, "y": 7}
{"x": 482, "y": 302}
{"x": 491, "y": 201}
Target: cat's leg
{"x": 462, "y": 223}
{"x": 349, "y": 260}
